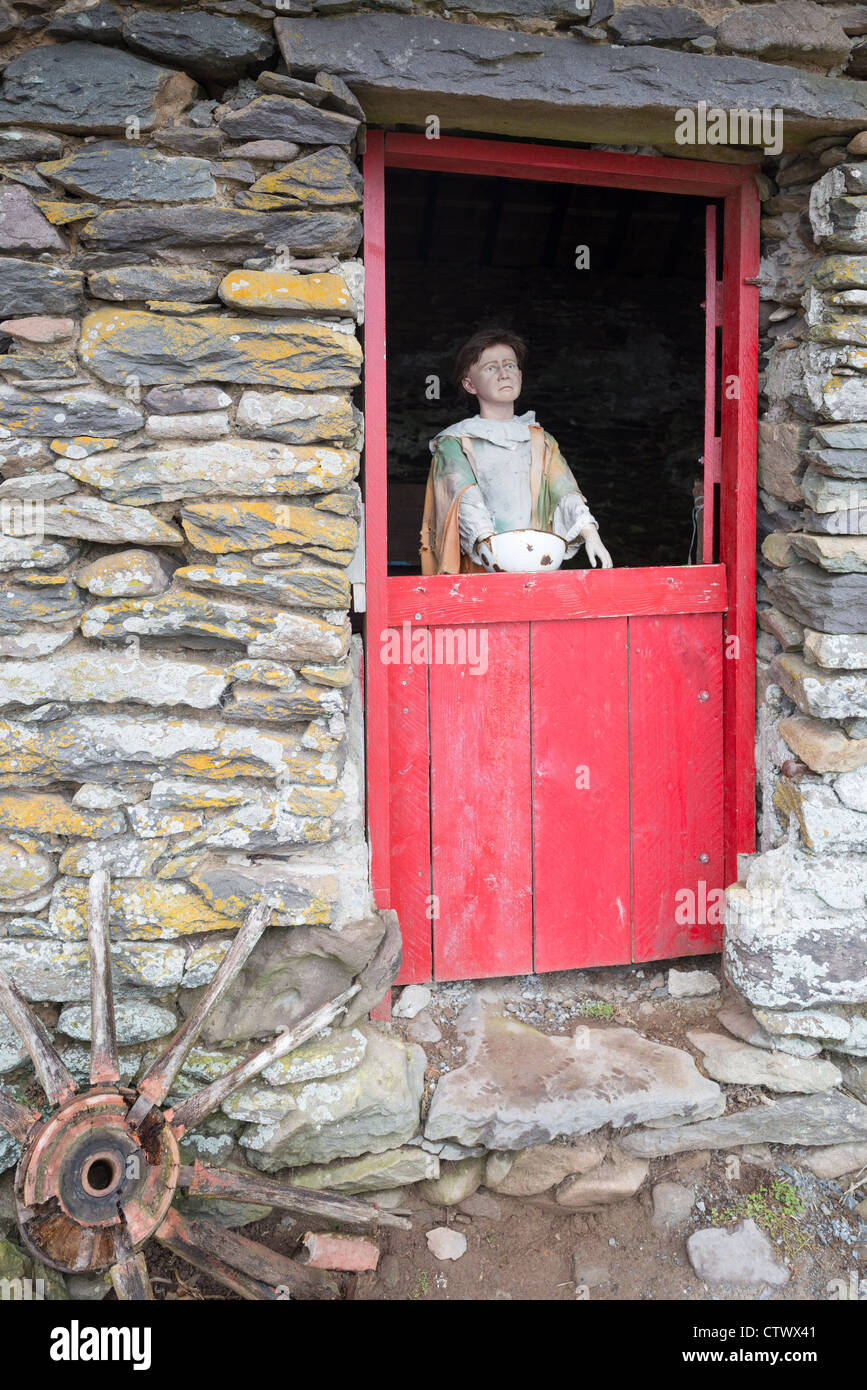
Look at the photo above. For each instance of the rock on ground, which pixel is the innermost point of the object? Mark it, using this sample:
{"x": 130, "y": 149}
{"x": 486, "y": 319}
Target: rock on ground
{"x": 742, "y": 1255}
{"x": 446, "y": 1244}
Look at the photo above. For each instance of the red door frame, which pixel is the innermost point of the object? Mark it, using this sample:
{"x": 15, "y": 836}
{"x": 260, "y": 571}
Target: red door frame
{"x": 736, "y": 453}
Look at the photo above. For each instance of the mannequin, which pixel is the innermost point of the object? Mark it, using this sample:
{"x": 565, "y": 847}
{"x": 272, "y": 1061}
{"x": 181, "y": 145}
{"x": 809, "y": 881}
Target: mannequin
{"x": 495, "y": 471}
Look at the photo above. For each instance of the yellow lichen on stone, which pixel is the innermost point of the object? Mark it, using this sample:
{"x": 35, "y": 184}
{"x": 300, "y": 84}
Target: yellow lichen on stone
{"x": 140, "y": 910}
{"x": 46, "y": 813}
{"x": 82, "y": 445}
{"x": 285, "y": 290}
{"x": 60, "y": 211}
{"x": 260, "y": 525}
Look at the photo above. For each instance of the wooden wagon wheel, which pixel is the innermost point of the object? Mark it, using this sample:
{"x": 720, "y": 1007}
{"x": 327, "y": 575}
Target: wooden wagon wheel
{"x": 99, "y": 1172}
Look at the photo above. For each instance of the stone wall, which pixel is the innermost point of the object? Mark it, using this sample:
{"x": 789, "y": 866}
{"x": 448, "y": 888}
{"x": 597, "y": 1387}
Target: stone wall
{"x": 181, "y": 293}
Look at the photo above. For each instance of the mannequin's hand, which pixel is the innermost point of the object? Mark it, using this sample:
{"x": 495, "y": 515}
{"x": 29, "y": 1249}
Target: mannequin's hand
{"x": 596, "y": 552}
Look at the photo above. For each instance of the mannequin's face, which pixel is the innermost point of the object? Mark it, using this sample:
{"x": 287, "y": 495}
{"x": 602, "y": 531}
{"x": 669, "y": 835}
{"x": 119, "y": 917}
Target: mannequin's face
{"x": 495, "y": 378}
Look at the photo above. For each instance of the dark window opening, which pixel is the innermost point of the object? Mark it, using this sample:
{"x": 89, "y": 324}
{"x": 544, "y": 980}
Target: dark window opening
{"x": 616, "y": 367}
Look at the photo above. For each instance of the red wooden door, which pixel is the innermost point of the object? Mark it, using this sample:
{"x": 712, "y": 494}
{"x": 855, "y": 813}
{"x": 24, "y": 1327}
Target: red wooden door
{"x": 560, "y": 765}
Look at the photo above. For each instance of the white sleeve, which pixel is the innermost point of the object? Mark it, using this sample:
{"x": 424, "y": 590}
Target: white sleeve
{"x": 474, "y": 520}
{"x": 571, "y": 515}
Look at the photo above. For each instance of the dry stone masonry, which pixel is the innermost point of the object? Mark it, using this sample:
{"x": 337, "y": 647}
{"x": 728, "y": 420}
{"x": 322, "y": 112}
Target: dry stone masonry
{"x": 180, "y": 302}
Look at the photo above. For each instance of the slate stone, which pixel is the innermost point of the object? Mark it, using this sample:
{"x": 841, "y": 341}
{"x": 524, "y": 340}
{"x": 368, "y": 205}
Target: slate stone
{"x": 67, "y": 413}
{"x": 85, "y": 676}
{"x": 51, "y": 970}
{"x": 287, "y": 292}
{"x": 739, "y": 1064}
{"x": 102, "y": 23}
{"x": 222, "y": 234}
{"x": 236, "y": 468}
{"x": 821, "y": 600}
{"x": 401, "y": 68}
{"x": 29, "y": 287}
{"x": 339, "y": 97}
{"x": 47, "y": 367}
{"x": 92, "y": 519}
{"x": 523, "y": 9}
{"x": 786, "y": 31}
{"x": 288, "y": 118}
{"x": 304, "y": 586}
{"x": 122, "y": 172}
{"x": 187, "y": 140}
{"x": 598, "y": 1077}
{"x": 327, "y": 178}
{"x": 22, "y": 225}
{"x": 817, "y": 1120}
{"x": 89, "y": 89}
{"x": 281, "y": 85}
{"x": 655, "y": 24}
{"x": 169, "y": 400}
{"x": 300, "y": 418}
{"x": 187, "y": 283}
{"x": 53, "y": 604}
{"x": 742, "y": 1255}
{"x": 839, "y": 463}
{"x": 274, "y": 151}
{"x": 296, "y": 353}
{"x": 207, "y": 45}
{"x": 222, "y": 527}
{"x": 29, "y": 144}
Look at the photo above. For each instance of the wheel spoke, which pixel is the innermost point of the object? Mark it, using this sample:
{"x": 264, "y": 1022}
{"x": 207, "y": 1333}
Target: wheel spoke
{"x": 130, "y": 1281}
{"x": 234, "y": 1185}
{"x": 156, "y": 1083}
{"x": 57, "y": 1081}
{"x": 183, "y": 1238}
{"x": 103, "y": 1039}
{"x": 193, "y": 1110}
{"x": 18, "y": 1119}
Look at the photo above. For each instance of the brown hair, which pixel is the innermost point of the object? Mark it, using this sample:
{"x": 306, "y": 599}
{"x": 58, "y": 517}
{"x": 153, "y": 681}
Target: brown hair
{"x": 473, "y": 348}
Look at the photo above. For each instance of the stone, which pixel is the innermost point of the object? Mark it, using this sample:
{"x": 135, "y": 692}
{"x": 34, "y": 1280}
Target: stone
{"x": 49, "y": 970}
{"x": 786, "y": 31}
{"x": 539, "y": 86}
{"x": 66, "y": 412}
{"x": 826, "y": 1118}
{"x": 297, "y": 353}
{"x": 338, "y": 96}
{"x": 22, "y": 225}
{"x": 221, "y": 234}
{"x": 284, "y": 86}
{"x": 836, "y": 651}
{"x": 688, "y": 984}
{"x": 32, "y": 641}
{"x": 99, "y": 23}
{"x": 444, "y": 1243}
{"x": 597, "y": 1077}
{"x": 60, "y": 211}
{"x": 28, "y": 144}
{"x": 204, "y": 144}
{"x": 822, "y": 747}
{"x": 124, "y": 856}
{"x": 742, "y": 1255}
{"x": 380, "y": 971}
{"x": 223, "y": 527}
{"x": 457, "y": 1180}
{"x": 281, "y": 292}
{"x": 837, "y": 554}
{"x": 168, "y": 400}
{"x": 39, "y": 329}
{"x": 203, "y": 425}
{"x": 328, "y": 1055}
{"x": 288, "y": 118}
{"x": 294, "y": 418}
{"x": 192, "y": 619}
{"x": 84, "y": 675}
{"x": 135, "y": 1022}
{"x": 139, "y": 910}
{"x": 327, "y": 178}
{"x": 370, "y": 1109}
{"x": 412, "y": 1000}
{"x": 125, "y": 573}
{"x": 543, "y": 1166}
{"x": 24, "y": 873}
{"x": 27, "y": 553}
{"x": 191, "y": 284}
{"x": 672, "y": 1205}
{"x": 739, "y": 1064}
{"x": 37, "y": 487}
{"x": 818, "y": 692}
{"x": 616, "y": 1179}
{"x": 43, "y": 601}
{"x": 837, "y": 1160}
{"x": 654, "y": 24}
{"x": 824, "y": 602}
{"x": 83, "y": 88}
{"x": 269, "y": 151}
{"x": 92, "y": 519}
{"x": 240, "y": 468}
{"x": 781, "y": 444}
{"x": 305, "y": 585}
{"x": 353, "y": 1253}
{"x": 207, "y": 45}
{"x": 117, "y": 170}
{"x": 123, "y": 749}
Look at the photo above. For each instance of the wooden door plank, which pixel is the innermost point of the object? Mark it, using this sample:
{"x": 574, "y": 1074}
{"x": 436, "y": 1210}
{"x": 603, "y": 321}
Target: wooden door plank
{"x": 580, "y": 793}
{"x": 676, "y": 758}
{"x": 480, "y": 810}
{"x": 410, "y": 814}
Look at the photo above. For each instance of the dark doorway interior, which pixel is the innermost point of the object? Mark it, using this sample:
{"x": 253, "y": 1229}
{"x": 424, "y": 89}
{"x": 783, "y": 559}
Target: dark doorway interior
{"x": 616, "y": 369}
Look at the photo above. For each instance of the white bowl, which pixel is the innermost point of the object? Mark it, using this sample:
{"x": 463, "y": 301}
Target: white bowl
{"x": 523, "y": 552}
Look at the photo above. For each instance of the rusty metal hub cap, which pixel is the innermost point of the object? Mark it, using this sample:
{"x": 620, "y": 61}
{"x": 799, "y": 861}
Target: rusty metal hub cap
{"x": 89, "y": 1186}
